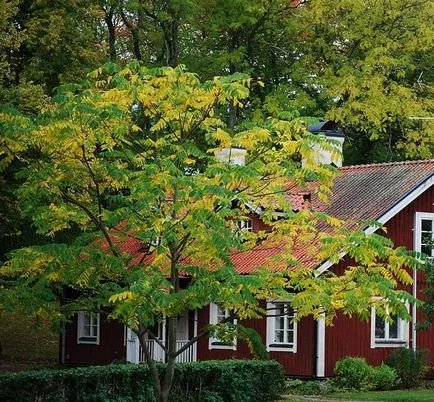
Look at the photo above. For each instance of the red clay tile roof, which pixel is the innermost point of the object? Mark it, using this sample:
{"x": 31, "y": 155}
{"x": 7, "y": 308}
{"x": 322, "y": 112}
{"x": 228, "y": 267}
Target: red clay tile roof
{"x": 359, "y": 192}
{"x": 369, "y": 191}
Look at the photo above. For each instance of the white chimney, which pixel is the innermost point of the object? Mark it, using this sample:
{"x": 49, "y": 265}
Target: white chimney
{"x": 330, "y": 130}
{"x": 234, "y": 156}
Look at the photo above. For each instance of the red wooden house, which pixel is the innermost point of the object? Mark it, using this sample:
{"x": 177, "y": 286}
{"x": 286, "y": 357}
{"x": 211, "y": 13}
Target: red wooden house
{"x": 399, "y": 195}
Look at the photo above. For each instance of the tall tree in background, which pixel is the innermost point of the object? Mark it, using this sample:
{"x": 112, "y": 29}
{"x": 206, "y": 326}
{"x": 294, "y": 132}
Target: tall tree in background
{"x": 44, "y": 43}
{"x": 48, "y": 43}
{"x": 366, "y": 64}
{"x": 374, "y": 61}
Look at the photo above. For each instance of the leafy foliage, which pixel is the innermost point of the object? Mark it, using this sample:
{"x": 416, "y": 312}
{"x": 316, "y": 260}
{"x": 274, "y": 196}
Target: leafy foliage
{"x": 303, "y": 387}
{"x": 370, "y": 58}
{"x": 224, "y": 380}
{"x": 124, "y": 163}
{"x": 384, "y": 378}
{"x": 353, "y": 373}
{"x": 410, "y": 365}
{"x": 365, "y": 64}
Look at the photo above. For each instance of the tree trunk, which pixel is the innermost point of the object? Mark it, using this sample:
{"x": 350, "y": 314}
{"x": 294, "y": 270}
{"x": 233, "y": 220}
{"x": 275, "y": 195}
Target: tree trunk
{"x": 233, "y": 109}
{"x": 111, "y": 35}
{"x": 170, "y": 34}
{"x": 167, "y": 381}
{"x": 134, "y": 30}
{"x": 152, "y": 366}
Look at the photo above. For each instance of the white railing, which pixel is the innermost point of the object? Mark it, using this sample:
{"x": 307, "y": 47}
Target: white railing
{"x": 157, "y": 353}
{"x": 188, "y": 355}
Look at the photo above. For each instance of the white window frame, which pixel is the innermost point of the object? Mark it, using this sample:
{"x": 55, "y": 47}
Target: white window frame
{"x": 215, "y": 343}
{"x": 420, "y": 216}
{"x": 271, "y": 327}
{"x": 81, "y": 337}
{"x": 403, "y": 330}
{"x": 417, "y": 236}
{"x": 245, "y": 224}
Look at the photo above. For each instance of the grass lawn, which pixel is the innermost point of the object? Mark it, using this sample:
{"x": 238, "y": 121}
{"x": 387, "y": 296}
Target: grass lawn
{"x": 384, "y": 396}
{"x": 396, "y": 396}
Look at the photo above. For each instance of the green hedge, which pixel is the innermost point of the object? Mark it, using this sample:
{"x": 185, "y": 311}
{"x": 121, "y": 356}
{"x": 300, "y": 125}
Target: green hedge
{"x": 212, "y": 381}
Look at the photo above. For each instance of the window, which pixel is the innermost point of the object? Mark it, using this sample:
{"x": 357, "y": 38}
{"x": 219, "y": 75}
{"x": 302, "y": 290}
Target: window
{"x": 281, "y": 327}
{"x": 217, "y": 315}
{"x": 245, "y": 224}
{"x": 424, "y": 236}
{"x": 88, "y": 328}
{"x": 386, "y": 333}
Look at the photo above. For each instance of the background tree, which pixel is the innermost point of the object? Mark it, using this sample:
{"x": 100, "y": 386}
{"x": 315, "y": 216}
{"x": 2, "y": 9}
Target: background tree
{"x": 372, "y": 59}
{"x": 130, "y": 155}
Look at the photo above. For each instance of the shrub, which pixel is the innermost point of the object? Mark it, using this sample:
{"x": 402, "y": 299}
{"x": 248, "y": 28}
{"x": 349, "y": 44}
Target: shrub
{"x": 306, "y": 387}
{"x": 212, "y": 381}
{"x": 384, "y": 378}
{"x": 353, "y": 373}
{"x": 410, "y": 365}
{"x": 231, "y": 380}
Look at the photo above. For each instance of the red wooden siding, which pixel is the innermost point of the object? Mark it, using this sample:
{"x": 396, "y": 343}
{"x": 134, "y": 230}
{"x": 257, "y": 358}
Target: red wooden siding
{"x": 258, "y": 224}
{"x": 111, "y": 346}
{"x": 351, "y": 336}
{"x": 347, "y": 337}
{"x": 296, "y": 364}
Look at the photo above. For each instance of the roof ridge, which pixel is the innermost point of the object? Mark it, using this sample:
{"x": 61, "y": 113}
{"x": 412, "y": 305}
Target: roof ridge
{"x": 368, "y": 165}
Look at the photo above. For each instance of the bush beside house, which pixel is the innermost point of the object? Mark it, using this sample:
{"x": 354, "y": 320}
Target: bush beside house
{"x": 217, "y": 381}
{"x": 411, "y": 365}
{"x": 354, "y": 373}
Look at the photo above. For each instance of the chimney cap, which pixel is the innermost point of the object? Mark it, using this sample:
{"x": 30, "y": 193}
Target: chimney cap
{"x": 329, "y": 128}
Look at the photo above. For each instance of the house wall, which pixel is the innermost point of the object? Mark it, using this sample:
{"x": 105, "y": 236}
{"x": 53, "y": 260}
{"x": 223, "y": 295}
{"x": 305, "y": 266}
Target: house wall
{"x": 351, "y": 336}
{"x": 111, "y": 346}
{"x": 300, "y": 363}
{"x": 258, "y": 224}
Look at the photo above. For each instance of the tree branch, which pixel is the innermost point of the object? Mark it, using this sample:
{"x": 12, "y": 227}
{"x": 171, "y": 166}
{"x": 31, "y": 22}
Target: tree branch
{"x": 94, "y": 219}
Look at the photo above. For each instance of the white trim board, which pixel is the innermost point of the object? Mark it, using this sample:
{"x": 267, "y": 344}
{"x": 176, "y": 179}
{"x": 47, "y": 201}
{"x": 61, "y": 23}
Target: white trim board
{"x": 417, "y": 246}
{"x": 320, "y": 347}
{"x": 395, "y": 209}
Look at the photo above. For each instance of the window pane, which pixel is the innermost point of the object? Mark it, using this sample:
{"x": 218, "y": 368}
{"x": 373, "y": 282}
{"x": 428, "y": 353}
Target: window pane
{"x": 86, "y": 330}
{"x": 94, "y": 329}
{"x": 220, "y": 314}
{"x": 427, "y": 225}
{"x": 289, "y": 336}
{"x": 379, "y": 327}
{"x": 426, "y": 249}
{"x": 280, "y": 322}
{"x": 426, "y": 237}
{"x": 289, "y": 323}
{"x": 279, "y": 308}
{"x": 393, "y": 328}
{"x": 283, "y": 324}
{"x": 278, "y": 336}
{"x": 245, "y": 225}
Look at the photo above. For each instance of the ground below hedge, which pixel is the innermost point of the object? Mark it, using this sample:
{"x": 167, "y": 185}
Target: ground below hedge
{"x": 417, "y": 395}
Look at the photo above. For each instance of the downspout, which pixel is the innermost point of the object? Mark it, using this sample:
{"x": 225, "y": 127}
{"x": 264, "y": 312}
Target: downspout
{"x": 195, "y": 334}
{"x": 320, "y": 347}
{"x": 417, "y": 247}
{"x": 414, "y": 310}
